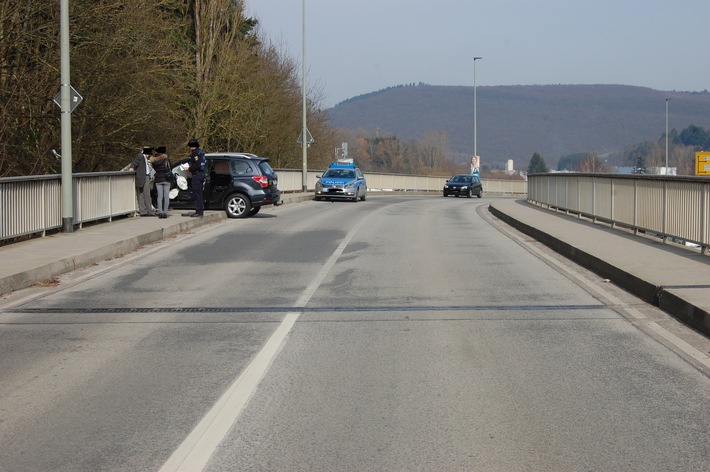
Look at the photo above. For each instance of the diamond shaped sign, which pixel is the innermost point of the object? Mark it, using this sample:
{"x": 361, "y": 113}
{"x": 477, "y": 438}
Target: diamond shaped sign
{"x": 74, "y": 99}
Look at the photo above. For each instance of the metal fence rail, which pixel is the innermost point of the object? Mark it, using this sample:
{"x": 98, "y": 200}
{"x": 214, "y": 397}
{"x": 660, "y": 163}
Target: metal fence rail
{"x": 671, "y": 207}
{"x": 291, "y": 180}
{"x": 33, "y": 205}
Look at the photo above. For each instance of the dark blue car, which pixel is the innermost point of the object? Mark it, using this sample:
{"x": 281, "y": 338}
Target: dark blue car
{"x": 464, "y": 185}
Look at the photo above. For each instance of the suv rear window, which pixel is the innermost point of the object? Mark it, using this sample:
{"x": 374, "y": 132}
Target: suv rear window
{"x": 266, "y": 168}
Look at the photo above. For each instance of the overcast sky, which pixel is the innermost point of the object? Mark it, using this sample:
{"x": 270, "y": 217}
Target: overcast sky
{"x": 357, "y": 47}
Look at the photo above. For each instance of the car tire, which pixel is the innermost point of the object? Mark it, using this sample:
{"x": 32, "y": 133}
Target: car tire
{"x": 318, "y": 199}
{"x": 363, "y": 197}
{"x": 237, "y": 205}
{"x": 480, "y": 194}
{"x": 254, "y": 211}
{"x": 469, "y": 194}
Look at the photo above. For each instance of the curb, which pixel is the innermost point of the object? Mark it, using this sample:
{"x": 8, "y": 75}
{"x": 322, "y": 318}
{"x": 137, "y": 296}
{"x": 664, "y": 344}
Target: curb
{"x": 48, "y": 271}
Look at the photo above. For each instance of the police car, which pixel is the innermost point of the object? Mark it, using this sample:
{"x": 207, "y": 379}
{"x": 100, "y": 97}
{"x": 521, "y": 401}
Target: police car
{"x": 341, "y": 181}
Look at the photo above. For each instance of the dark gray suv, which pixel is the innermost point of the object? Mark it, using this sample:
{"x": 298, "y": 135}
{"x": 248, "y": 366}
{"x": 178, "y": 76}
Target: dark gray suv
{"x": 238, "y": 183}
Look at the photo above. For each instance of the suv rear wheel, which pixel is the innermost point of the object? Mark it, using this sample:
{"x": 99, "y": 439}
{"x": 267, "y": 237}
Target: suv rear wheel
{"x": 237, "y": 206}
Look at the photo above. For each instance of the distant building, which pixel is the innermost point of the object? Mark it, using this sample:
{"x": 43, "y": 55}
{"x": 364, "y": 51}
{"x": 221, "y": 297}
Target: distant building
{"x": 647, "y": 171}
{"x": 663, "y": 170}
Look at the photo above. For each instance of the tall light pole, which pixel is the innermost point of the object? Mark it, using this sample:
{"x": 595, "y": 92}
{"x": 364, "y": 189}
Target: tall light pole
{"x": 67, "y": 178}
{"x": 304, "y": 131}
{"x": 666, "y": 169}
{"x": 475, "y": 149}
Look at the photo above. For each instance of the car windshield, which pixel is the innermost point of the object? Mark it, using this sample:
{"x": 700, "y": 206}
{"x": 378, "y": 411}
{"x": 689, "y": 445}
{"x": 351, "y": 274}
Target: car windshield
{"x": 340, "y": 173}
{"x": 461, "y": 178}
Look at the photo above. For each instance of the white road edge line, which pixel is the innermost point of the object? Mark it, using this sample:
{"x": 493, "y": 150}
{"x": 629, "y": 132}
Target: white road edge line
{"x": 680, "y": 344}
{"x": 196, "y": 450}
{"x": 634, "y": 313}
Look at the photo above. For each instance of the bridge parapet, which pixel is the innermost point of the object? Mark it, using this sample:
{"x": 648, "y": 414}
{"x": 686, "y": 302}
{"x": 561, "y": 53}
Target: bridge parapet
{"x": 670, "y": 207}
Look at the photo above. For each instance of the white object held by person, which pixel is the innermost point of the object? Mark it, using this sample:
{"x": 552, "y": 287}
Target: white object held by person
{"x": 181, "y": 182}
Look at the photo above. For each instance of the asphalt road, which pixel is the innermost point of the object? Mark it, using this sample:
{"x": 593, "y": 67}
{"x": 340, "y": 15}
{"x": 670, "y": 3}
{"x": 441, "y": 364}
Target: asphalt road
{"x": 398, "y": 334}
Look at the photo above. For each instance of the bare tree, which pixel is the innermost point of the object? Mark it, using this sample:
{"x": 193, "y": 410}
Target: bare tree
{"x": 592, "y": 164}
{"x": 431, "y": 150}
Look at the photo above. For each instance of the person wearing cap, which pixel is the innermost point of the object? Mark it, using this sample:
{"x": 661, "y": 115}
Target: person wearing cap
{"x": 142, "y": 170}
{"x": 197, "y": 169}
{"x": 161, "y": 165}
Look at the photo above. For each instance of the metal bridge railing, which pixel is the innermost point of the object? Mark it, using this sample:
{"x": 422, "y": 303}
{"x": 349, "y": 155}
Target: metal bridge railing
{"x": 671, "y": 207}
{"x": 33, "y": 205}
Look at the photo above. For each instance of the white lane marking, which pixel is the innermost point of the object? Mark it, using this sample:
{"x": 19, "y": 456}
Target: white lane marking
{"x": 196, "y": 450}
{"x": 323, "y": 272}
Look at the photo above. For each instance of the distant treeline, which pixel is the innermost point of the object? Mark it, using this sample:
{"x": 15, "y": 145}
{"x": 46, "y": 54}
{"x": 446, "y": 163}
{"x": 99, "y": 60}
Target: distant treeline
{"x": 681, "y": 154}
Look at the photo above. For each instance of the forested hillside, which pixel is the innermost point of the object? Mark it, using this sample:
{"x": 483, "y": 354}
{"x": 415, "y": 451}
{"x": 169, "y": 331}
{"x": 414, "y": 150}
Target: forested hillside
{"x": 513, "y": 122}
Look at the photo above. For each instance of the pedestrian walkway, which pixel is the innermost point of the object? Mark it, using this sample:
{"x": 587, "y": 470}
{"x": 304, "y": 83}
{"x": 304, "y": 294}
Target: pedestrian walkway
{"x": 676, "y": 279}
{"x": 37, "y": 260}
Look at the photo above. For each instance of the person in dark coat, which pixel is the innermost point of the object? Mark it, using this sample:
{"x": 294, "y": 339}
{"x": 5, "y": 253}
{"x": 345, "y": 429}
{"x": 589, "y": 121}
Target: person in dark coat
{"x": 161, "y": 165}
{"x": 197, "y": 169}
{"x": 142, "y": 170}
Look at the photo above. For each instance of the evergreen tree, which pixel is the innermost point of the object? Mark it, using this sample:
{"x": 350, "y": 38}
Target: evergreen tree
{"x": 537, "y": 165}
{"x": 640, "y": 167}
{"x": 695, "y": 136}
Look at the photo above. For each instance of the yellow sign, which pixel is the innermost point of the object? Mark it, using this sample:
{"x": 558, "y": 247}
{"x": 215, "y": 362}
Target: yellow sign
{"x": 702, "y": 163}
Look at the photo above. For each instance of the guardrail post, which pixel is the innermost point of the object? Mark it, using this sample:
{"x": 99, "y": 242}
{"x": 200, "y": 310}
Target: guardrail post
{"x": 611, "y": 197}
{"x": 635, "y": 203}
{"x": 665, "y": 212}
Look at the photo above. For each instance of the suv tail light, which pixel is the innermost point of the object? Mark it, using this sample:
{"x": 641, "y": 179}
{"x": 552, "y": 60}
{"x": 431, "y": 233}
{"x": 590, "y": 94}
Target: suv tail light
{"x": 262, "y": 179}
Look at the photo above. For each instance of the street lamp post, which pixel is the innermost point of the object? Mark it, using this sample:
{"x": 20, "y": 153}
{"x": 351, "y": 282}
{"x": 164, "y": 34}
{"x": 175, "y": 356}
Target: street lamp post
{"x": 475, "y": 150}
{"x": 304, "y": 131}
{"x": 67, "y": 176}
{"x": 666, "y": 169}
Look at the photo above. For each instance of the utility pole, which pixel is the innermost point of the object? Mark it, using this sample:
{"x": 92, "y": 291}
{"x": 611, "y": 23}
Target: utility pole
{"x": 475, "y": 150}
{"x": 65, "y": 102}
{"x": 304, "y": 142}
{"x": 665, "y": 171}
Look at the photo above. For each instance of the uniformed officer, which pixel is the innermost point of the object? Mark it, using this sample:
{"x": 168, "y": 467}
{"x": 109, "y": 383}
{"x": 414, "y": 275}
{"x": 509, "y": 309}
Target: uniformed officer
{"x": 197, "y": 169}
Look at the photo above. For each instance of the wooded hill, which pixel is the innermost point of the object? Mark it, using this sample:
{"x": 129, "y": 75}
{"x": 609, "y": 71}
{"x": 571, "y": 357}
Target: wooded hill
{"x": 513, "y": 122}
